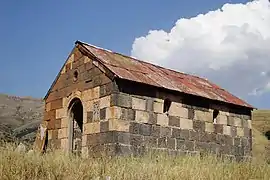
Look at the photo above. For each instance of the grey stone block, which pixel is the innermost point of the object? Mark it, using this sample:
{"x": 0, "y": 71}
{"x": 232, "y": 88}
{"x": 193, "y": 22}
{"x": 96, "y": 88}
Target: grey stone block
{"x": 134, "y": 128}
{"x": 199, "y": 126}
{"x": 165, "y": 132}
{"x": 145, "y": 129}
{"x": 121, "y": 100}
{"x": 155, "y": 131}
{"x": 174, "y": 121}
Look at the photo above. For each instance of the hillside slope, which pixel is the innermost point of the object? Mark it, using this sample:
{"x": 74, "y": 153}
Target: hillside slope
{"x": 19, "y": 117}
{"x": 260, "y": 125}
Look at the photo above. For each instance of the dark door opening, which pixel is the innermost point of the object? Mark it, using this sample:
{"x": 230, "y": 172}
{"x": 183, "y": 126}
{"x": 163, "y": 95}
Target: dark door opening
{"x": 76, "y": 115}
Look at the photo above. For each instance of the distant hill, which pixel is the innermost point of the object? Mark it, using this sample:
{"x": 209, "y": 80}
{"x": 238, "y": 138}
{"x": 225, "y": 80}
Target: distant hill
{"x": 19, "y": 117}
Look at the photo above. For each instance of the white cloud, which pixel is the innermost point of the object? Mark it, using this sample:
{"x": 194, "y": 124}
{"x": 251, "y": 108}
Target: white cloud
{"x": 229, "y": 46}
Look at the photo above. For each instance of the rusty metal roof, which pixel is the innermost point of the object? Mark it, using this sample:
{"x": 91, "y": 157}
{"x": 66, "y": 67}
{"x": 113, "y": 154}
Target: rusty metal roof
{"x": 132, "y": 69}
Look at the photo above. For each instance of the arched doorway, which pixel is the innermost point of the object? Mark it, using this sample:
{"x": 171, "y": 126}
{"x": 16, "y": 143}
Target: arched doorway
{"x": 76, "y": 125}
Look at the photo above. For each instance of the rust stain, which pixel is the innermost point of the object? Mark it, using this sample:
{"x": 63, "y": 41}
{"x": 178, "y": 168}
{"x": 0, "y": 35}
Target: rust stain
{"x": 139, "y": 71}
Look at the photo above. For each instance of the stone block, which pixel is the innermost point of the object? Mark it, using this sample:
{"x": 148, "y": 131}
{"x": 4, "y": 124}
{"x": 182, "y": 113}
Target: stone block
{"x": 249, "y": 124}
{"x": 142, "y": 116}
{"x": 158, "y": 107}
{"x": 237, "y": 141}
{"x": 162, "y": 119}
{"x": 108, "y": 89}
{"x": 186, "y": 123}
{"x": 176, "y": 133}
{"x": 105, "y": 102}
{"x": 150, "y": 105}
{"x": 122, "y": 137}
{"x": 171, "y": 143}
{"x": 127, "y": 114}
{"x": 174, "y": 121}
{"x": 194, "y": 136}
{"x": 162, "y": 142}
{"x": 207, "y": 137}
{"x": 180, "y": 145}
{"x": 58, "y": 123}
{"x": 56, "y": 104}
{"x": 191, "y": 113}
{"x": 150, "y": 141}
{"x": 233, "y": 131}
{"x": 198, "y": 125}
{"x": 87, "y": 95}
{"x": 203, "y": 116}
{"x": 165, "y": 132}
{"x": 48, "y": 107}
{"x": 64, "y": 144}
{"x": 102, "y": 114}
{"x": 209, "y": 127}
{"x": 89, "y": 117}
{"x": 96, "y": 111}
{"x": 227, "y": 130}
{"x": 224, "y": 139}
{"x": 104, "y": 126}
{"x": 152, "y": 118}
{"x": 202, "y": 147}
{"x": 240, "y": 131}
{"x": 60, "y": 113}
{"x": 230, "y": 121}
{"x": 238, "y": 122}
{"x": 90, "y": 128}
{"x": 88, "y": 105}
{"x": 84, "y": 140}
{"x": 121, "y": 100}
{"x": 145, "y": 129}
{"x": 136, "y": 139}
{"x": 138, "y": 104}
{"x": 185, "y": 145}
{"x": 64, "y": 122}
{"x": 134, "y": 128}
{"x": 218, "y": 128}
{"x": 113, "y": 112}
{"x": 222, "y": 119}
{"x": 245, "y": 123}
{"x": 155, "y": 131}
{"x": 119, "y": 125}
{"x": 247, "y": 132}
{"x": 49, "y": 115}
{"x": 180, "y": 133}
{"x": 176, "y": 109}
{"x": 62, "y": 133}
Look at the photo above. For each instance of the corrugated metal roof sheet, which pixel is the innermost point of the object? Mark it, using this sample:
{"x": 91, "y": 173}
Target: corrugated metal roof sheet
{"x": 139, "y": 71}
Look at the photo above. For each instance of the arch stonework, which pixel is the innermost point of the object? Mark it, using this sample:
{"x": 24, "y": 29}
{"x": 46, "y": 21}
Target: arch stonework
{"x": 67, "y": 120}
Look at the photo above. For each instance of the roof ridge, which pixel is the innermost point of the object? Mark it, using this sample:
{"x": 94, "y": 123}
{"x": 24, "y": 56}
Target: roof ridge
{"x": 195, "y": 82}
{"x": 142, "y": 61}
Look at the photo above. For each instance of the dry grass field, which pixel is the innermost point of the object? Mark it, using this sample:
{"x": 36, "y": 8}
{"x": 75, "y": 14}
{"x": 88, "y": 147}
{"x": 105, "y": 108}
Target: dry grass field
{"x": 57, "y": 165}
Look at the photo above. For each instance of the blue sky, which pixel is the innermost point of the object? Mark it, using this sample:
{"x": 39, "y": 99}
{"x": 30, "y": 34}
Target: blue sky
{"x": 36, "y": 36}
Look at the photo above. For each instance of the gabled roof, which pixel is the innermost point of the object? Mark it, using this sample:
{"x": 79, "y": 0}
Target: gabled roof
{"x": 128, "y": 68}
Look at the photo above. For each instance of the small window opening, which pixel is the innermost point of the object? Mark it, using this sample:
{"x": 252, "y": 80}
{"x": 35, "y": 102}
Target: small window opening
{"x": 215, "y": 114}
{"x": 75, "y": 75}
{"x": 267, "y": 135}
{"x": 167, "y": 105}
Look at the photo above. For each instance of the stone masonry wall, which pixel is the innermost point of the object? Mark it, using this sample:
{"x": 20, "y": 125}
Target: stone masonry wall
{"x": 142, "y": 125}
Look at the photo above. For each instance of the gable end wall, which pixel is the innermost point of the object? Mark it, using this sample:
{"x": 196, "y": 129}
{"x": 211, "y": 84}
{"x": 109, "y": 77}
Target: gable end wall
{"x": 93, "y": 87}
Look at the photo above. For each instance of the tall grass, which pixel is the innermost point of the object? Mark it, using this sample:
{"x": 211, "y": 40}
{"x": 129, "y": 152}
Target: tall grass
{"x": 57, "y": 165}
